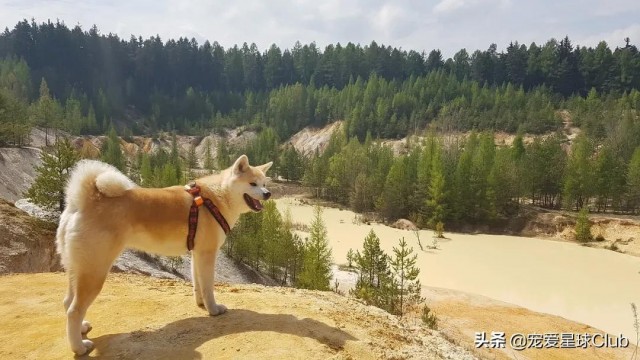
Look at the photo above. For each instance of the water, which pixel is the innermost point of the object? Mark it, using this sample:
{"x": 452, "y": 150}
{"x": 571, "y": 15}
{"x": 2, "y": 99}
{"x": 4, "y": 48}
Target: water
{"x": 592, "y": 286}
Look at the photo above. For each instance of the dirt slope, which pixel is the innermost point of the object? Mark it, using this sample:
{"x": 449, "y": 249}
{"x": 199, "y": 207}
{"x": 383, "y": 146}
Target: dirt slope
{"x": 17, "y": 171}
{"x": 26, "y": 243}
{"x": 139, "y": 317}
{"x": 461, "y": 315}
{"x": 309, "y": 139}
{"x": 620, "y": 231}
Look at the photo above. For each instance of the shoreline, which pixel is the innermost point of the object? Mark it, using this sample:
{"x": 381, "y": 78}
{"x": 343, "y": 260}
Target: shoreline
{"x": 497, "y": 267}
{"x": 628, "y": 246}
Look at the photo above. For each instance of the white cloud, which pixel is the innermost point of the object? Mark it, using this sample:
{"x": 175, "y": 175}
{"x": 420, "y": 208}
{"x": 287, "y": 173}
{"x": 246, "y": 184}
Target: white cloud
{"x": 445, "y": 6}
{"x": 450, "y": 6}
{"x": 392, "y": 22}
{"x": 613, "y": 38}
{"x": 411, "y": 24}
{"x": 613, "y": 7}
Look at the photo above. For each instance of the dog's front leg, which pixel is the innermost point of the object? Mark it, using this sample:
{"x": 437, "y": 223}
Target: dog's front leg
{"x": 205, "y": 268}
{"x": 197, "y": 293}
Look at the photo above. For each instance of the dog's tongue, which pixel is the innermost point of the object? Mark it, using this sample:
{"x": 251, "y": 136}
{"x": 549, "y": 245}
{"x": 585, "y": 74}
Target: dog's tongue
{"x": 257, "y": 204}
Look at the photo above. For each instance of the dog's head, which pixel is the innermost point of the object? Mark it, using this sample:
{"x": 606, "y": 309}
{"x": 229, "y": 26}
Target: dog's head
{"x": 249, "y": 182}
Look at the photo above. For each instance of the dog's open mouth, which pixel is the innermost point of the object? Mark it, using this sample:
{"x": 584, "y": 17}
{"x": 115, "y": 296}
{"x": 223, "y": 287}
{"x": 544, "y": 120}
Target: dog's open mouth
{"x": 252, "y": 203}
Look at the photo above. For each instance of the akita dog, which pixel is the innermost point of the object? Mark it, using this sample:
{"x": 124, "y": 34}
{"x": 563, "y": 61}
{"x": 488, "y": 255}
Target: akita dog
{"x": 106, "y": 212}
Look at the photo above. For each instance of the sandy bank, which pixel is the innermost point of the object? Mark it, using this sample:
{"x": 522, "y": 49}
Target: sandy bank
{"x": 586, "y": 285}
{"x": 138, "y": 317}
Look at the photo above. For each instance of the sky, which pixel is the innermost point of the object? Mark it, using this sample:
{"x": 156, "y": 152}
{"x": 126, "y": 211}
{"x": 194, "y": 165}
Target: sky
{"x": 448, "y": 25}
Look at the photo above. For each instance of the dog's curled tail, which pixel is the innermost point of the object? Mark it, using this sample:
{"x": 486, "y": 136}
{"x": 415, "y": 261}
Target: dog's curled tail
{"x": 90, "y": 180}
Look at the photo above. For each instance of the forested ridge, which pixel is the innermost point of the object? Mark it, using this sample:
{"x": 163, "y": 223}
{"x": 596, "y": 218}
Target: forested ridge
{"x": 85, "y": 83}
{"x": 94, "y": 79}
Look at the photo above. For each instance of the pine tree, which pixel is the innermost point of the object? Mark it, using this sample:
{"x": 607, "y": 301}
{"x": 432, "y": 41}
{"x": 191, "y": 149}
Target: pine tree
{"x": 47, "y": 111}
{"x": 361, "y": 198}
{"x": 609, "y": 179}
{"x": 429, "y": 318}
{"x": 73, "y": 119}
{"x": 168, "y": 175}
{"x": 222, "y": 154}
{"x": 374, "y": 278}
{"x": 111, "y": 152}
{"x": 292, "y": 250}
{"x": 633, "y": 182}
{"x": 578, "y": 185}
{"x": 175, "y": 160}
{"x": 315, "y": 173}
{"x": 291, "y": 164}
{"x": 273, "y": 234}
{"x": 14, "y": 125}
{"x": 420, "y": 194}
{"x": 48, "y": 188}
{"x": 405, "y": 271}
{"x": 482, "y": 163}
{"x": 392, "y": 203}
{"x": 146, "y": 172}
{"x": 583, "y": 227}
{"x": 192, "y": 160}
{"x": 351, "y": 255}
{"x": 316, "y": 267}
{"x": 435, "y": 202}
{"x": 518, "y": 153}
{"x": 503, "y": 183}
{"x": 91, "y": 125}
{"x": 295, "y": 257}
{"x": 208, "y": 158}
{"x": 462, "y": 187}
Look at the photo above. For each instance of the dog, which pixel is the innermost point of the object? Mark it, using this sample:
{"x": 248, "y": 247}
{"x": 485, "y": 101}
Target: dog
{"x": 106, "y": 212}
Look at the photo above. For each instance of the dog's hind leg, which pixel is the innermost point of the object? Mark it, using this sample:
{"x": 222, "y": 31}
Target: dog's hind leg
{"x": 206, "y": 265}
{"x": 68, "y": 299}
{"x": 87, "y": 286}
{"x": 63, "y": 251}
{"x": 87, "y": 275}
{"x": 197, "y": 293}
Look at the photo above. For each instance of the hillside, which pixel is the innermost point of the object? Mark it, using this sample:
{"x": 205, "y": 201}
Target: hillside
{"x": 27, "y": 244}
{"x": 138, "y": 317}
{"x": 17, "y": 171}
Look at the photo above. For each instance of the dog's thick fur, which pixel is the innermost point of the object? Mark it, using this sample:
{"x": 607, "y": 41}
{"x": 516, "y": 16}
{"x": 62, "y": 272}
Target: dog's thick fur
{"x": 106, "y": 212}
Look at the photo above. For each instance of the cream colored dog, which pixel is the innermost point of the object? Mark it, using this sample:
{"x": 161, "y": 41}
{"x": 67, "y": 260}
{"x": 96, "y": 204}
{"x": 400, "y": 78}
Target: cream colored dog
{"x": 107, "y": 212}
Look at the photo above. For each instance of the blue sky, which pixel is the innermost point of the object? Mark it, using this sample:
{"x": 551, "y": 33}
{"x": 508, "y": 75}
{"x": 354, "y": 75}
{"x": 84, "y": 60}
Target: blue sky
{"x": 448, "y": 25}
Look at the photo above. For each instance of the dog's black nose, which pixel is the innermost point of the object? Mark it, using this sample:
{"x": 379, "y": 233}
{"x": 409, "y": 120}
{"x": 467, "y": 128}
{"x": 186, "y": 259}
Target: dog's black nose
{"x": 267, "y": 195}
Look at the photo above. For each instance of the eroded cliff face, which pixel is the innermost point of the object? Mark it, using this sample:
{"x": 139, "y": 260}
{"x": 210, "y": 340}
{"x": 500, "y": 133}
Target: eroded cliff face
{"x": 27, "y": 244}
{"x": 17, "y": 171}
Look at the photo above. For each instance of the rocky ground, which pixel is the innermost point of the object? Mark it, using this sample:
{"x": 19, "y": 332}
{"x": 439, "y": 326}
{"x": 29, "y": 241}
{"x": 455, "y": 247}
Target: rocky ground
{"x": 17, "y": 171}
{"x": 26, "y": 243}
{"x": 461, "y": 315}
{"x": 611, "y": 232}
{"x": 138, "y": 317}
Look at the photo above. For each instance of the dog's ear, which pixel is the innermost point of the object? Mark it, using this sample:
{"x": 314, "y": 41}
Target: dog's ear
{"x": 265, "y": 167}
{"x": 241, "y": 165}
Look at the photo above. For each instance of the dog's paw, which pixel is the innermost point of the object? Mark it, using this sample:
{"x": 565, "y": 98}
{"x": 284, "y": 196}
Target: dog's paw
{"x": 218, "y": 309}
{"x": 85, "y": 347}
{"x": 198, "y": 297}
{"x": 86, "y": 327}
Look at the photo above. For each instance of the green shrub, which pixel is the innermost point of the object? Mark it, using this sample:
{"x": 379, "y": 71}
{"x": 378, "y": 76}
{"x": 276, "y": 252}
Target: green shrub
{"x": 583, "y": 227}
{"x": 429, "y": 318}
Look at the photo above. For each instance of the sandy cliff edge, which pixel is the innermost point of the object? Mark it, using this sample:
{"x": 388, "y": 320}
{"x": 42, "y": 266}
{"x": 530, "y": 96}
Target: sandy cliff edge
{"x": 145, "y": 318}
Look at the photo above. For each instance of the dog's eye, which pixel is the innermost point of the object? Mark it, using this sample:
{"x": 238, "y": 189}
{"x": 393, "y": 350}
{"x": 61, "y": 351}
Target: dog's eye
{"x": 253, "y": 184}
